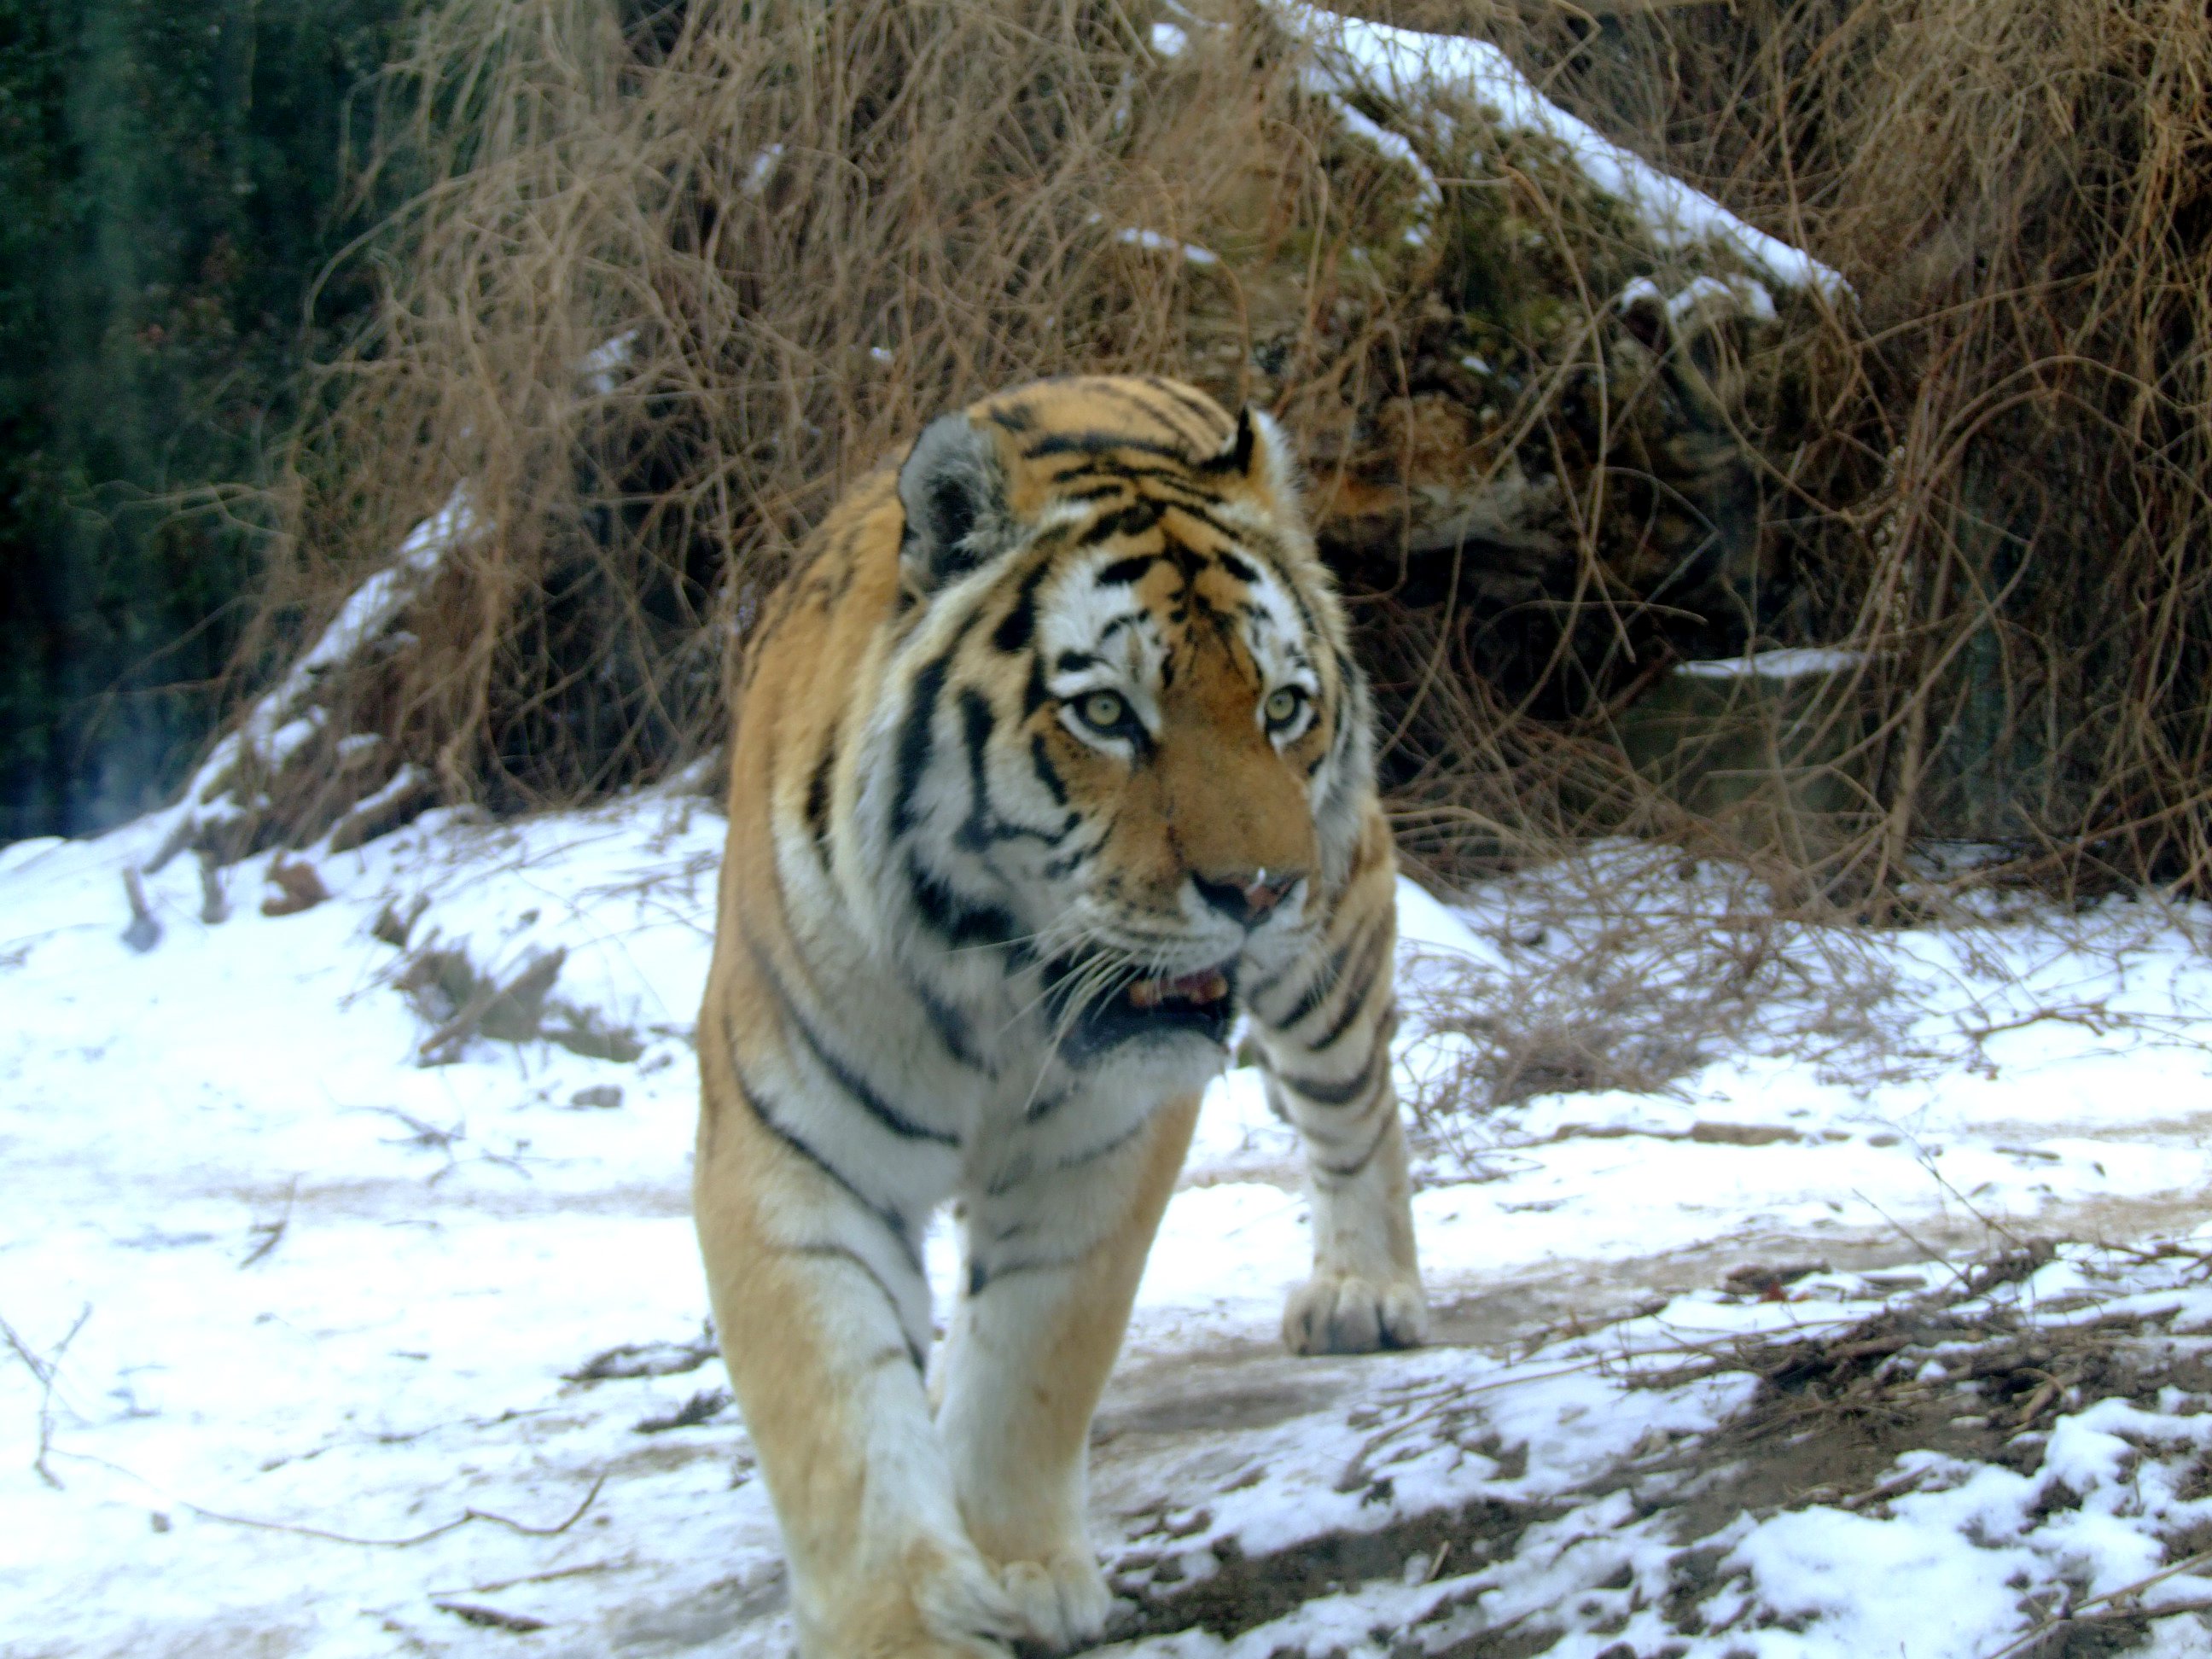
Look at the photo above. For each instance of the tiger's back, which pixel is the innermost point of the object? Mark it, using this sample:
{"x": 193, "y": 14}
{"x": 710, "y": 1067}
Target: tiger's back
{"x": 1050, "y": 762}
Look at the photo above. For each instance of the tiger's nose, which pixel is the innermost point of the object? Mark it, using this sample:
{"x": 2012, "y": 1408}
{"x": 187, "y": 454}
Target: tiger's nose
{"x": 1248, "y": 897}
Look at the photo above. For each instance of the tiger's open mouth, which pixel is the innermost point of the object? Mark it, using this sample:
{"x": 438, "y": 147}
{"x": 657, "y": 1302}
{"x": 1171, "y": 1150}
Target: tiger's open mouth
{"x": 1200, "y": 990}
{"x": 1201, "y": 1003}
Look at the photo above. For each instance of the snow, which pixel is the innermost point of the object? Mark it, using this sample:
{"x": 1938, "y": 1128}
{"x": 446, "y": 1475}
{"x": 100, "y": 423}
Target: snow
{"x": 1403, "y": 64}
{"x": 602, "y": 366}
{"x": 1137, "y": 236}
{"x": 1724, "y": 295}
{"x": 285, "y": 718}
{"x": 1788, "y": 663}
{"x": 332, "y": 1307}
{"x": 760, "y": 170}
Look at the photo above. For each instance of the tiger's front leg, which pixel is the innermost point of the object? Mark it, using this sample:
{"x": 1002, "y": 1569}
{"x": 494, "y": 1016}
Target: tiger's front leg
{"x": 824, "y": 1314}
{"x": 1324, "y": 1028}
{"x": 1054, "y": 1258}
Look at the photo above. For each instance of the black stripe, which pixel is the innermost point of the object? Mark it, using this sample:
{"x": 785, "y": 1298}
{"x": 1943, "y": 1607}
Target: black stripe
{"x": 1351, "y": 1170}
{"x": 1194, "y": 504}
{"x": 1236, "y": 456}
{"x": 952, "y": 918}
{"x": 1362, "y": 981}
{"x": 910, "y": 759}
{"x": 898, "y": 1122}
{"x": 1135, "y": 519}
{"x": 952, "y": 1029}
{"x": 1091, "y": 1155}
{"x": 1047, "y": 774}
{"x": 983, "y": 828}
{"x": 1034, "y": 692}
{"x": 979, "y": 1278}
{"x": 1019, "y": 626}
{"x": 892, "y": 1223}
{"x": 979, "y": 829}
{"x": 1101, "y": 444}
{"x": 1238, "y": 568}
{"x": 1262, "y": 547}
{"x": 1069, "y": 863}
{"x": 841, "y": 1253}
{"x": 1169, "y": 390}
{"x": 1317, "y": 989}
{"x": 1122, "y": 571}
{"x": 1341, "y": 1094}
{"x": 1142, "y": 405}
{"x": 1168, "y": 484}
{"x": 817, "y": 799}
{"x": 1004, "y": 1185}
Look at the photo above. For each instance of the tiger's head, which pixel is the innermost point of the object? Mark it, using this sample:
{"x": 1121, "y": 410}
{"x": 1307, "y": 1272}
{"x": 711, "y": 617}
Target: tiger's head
{"x": 1128, "y": 749}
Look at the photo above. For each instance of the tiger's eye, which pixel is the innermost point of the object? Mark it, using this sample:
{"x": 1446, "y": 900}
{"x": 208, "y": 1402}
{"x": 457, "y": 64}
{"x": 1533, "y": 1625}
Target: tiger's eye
{"x": 1283, "y": 706}
{"x": 1103, "y": 709}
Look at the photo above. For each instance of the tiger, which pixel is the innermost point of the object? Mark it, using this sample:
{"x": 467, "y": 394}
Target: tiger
{"x": 1051, "y": 763}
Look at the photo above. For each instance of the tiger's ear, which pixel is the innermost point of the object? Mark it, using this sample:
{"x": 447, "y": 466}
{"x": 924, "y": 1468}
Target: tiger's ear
{"x": 1258, "y": 454}
{"x": 954, "y": 492}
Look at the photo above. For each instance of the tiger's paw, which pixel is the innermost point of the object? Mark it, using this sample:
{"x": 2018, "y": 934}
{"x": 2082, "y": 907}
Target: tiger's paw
{"x": 1063, "y": 1599}
{"x": 965, "y": 1610}
{"x": 1344, "y": 1313}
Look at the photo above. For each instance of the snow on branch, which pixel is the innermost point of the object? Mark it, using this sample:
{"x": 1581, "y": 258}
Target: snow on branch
{"x": 230, "y": 784}
{"x": 1351, "y": 55}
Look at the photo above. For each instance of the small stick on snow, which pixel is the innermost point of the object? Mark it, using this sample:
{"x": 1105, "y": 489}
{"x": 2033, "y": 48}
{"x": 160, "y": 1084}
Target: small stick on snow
{"x": 490, "y": 1618}
{"x": 45, "y": 1369}
{"x": 455, "y": 1525}
{"x": 144, "y": 932}
{"x": 214, "y": 907}
{"x": 271, "y": 1233}
{"x": 2081, "y": 1615}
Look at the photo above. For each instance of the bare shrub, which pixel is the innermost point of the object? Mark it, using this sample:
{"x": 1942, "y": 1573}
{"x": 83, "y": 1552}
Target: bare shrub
{"x": 681, "y": 273}
{"x": 2012, "y": 460}
{"x": 1632, "y": 968}
{"x": 678, "y": 272}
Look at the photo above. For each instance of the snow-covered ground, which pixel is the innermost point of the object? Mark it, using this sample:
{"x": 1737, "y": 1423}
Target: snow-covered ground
{"x": 312, "y": 1348}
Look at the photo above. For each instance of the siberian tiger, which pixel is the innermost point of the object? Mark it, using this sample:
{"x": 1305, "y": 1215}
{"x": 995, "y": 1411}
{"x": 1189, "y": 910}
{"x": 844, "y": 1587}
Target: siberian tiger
{"x": 1049, "y": 761}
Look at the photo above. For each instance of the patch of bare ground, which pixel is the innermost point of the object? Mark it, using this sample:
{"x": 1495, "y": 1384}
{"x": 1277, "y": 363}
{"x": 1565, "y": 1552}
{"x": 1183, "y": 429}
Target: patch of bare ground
{"x": 1242, "y": 1592}
{"x": 1964, "y": 1370}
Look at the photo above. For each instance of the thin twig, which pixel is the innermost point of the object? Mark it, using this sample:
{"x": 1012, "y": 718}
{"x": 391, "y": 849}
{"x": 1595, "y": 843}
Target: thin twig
{"x": 459, "y": 1521}
{"x": 271, "y": 1233}
{"x": 45, "y": 1369}
{"x": 2073, "y": 1615}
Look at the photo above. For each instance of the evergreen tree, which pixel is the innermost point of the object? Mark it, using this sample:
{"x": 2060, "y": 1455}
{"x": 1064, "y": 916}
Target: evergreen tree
{"x": 170, "y": 187}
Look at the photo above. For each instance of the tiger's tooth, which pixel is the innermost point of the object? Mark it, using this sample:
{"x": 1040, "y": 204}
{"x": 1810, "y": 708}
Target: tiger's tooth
{"x": 1146, "y": 993}
{"x": 1215, "y": 987}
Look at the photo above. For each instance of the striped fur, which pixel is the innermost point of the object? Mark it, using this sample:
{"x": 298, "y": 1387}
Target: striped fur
{"x": 1050, "y": 758}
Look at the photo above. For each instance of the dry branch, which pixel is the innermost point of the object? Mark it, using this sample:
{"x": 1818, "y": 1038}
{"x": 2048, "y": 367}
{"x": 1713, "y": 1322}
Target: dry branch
{"x": 45, "y": 1369}
{"x": 683, "y": 272}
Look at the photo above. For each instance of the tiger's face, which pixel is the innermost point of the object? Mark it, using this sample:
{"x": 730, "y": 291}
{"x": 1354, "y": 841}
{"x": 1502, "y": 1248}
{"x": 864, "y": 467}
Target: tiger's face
{"x": 1133, "y": 739}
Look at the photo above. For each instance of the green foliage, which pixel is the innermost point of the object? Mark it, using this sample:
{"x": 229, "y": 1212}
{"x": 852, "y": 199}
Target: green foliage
{"x": 172, "y": 182}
